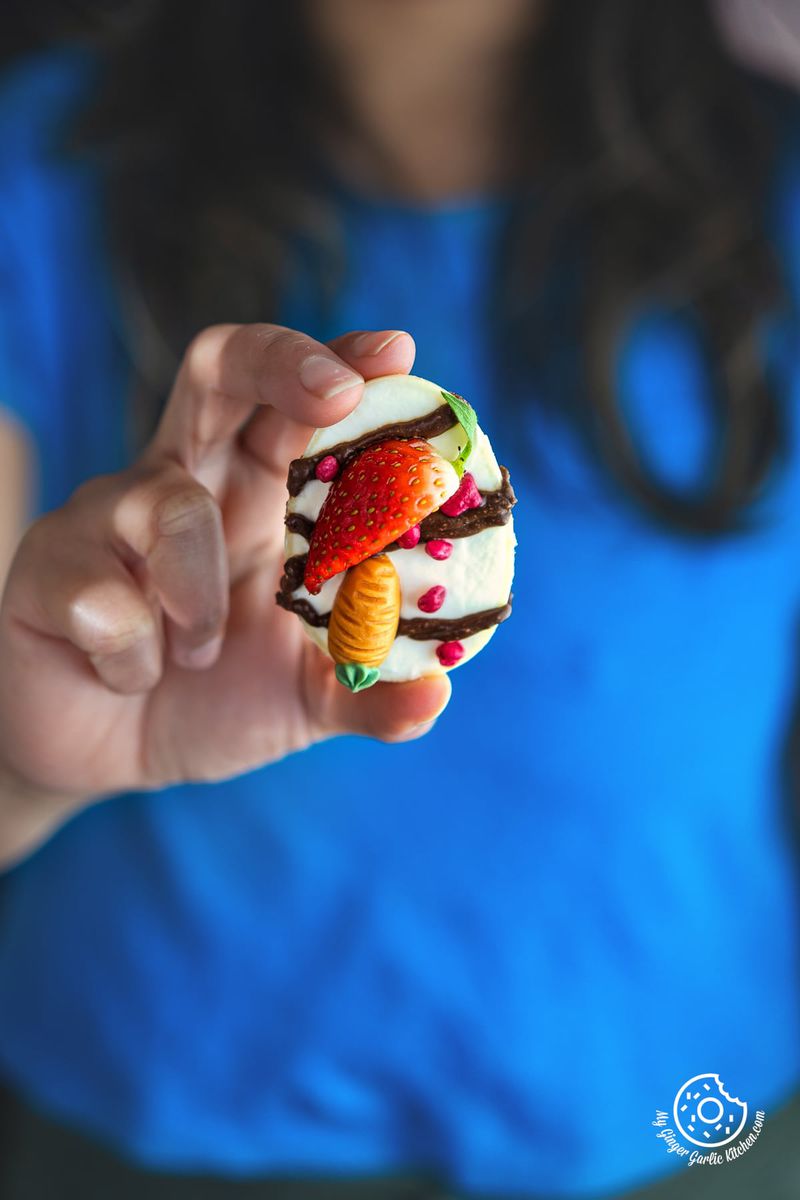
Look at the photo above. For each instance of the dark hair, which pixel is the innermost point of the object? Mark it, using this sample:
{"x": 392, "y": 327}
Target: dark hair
{"x": 653, "y": 155}
{"x": 660, "y": 155}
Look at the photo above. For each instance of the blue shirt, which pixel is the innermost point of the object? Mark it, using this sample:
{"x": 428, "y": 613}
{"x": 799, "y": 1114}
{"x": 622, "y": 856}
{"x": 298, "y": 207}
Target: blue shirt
{"x": 577, "y": 893}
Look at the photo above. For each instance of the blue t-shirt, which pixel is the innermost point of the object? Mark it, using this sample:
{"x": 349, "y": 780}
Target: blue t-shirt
{"x": 574, "y": 895}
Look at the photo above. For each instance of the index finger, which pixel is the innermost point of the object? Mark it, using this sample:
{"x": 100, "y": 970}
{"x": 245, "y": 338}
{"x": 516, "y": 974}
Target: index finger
{"x": 273, "y": 439}
{"x": 229, "y": 370}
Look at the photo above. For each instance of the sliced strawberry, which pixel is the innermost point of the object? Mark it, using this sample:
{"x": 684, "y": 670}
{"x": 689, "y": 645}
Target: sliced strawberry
{"x": 380, "y": 495}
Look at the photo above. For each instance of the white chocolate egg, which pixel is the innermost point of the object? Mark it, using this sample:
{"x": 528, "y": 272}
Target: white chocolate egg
{"x": 476, "y": 576}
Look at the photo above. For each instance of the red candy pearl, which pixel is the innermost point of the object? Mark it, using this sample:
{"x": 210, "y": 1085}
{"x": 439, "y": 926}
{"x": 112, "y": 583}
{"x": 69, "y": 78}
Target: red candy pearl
{"x": 449, "y": 653}
{"x": 409, "y": 539}
{"x": 433, "y": 599}
{"x": 467, "y": 496}
{"x": 327, "y": 469}
{"x": 439, "y": 548}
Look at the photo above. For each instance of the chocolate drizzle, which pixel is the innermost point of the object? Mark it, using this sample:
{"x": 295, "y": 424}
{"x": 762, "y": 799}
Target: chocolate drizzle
{"x": 293, "y": 571}
{"x": 303, "y": 609}
{"x": 419, "y": 629}
{"x": 296, "y": 523}
{"x": 301, "y": 470}
{"x": 496, "y": 511}
{"x": 452, "y": 629}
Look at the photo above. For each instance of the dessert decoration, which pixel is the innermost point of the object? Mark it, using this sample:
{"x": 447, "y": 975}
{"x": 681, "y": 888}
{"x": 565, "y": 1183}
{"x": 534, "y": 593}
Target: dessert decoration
{"x": 399, "y": 542}
{"x": 449, "y": 653}
{"x": 363, "y": 621}
{"x": 377, "y": 499}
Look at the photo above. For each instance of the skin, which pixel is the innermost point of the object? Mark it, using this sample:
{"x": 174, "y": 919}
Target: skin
{"x": 139, "y": 639}
{"x": 429, "y": 85}
{"x": 16, "y": 478}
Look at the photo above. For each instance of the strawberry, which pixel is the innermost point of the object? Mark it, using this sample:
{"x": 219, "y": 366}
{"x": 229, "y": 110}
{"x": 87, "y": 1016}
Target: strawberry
{"x": 377, "y": 498}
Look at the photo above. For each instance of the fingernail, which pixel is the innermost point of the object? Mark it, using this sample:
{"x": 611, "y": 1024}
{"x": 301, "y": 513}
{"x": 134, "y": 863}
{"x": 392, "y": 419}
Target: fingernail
{"x": 447, "y": 687}
{"x": 367, "y": 344}
{"x": 326, "y": 378}
{"x": 197, "y": 658}
{"x": 416, "y": 731}
{"x": 425, "y": 727}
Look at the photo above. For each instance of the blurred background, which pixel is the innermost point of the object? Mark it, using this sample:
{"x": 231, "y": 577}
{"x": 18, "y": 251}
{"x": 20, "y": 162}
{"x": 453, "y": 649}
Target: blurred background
{"x": 479, "y": 964}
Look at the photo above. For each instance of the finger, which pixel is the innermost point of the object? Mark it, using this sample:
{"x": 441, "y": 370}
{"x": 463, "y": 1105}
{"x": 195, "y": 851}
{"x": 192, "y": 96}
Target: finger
{"x": 174, "y": 526}
{"x": 274, "y": 441}
{"x": 377, "y": 352}
{"x": 84, "y": 595}
{"x": 229, "y": 369}
{"x": 391, "y": 712}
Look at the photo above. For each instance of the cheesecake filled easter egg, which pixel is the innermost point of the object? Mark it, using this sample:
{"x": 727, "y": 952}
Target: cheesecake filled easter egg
{"x": 399, "y": 536}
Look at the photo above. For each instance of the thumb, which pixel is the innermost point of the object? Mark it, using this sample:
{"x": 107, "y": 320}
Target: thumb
{"x": 391, "y": 712}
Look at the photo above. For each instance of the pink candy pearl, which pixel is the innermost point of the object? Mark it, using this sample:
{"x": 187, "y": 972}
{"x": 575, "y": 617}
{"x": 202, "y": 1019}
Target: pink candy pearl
{"x": 439, "y": 548}
{"x": 449, "y": 653}
{"x": 466, "y": 497}
{"x": 327, "y": 469}
{"x": 433, "y": 599}
{"x": 409, "y": 539}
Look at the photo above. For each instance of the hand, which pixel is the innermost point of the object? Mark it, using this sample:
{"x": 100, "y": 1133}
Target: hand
{"x": 140, "y": 642}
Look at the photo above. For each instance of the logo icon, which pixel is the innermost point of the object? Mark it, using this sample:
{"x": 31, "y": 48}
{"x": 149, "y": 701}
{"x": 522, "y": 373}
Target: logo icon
{"x": 705, "y": 1114}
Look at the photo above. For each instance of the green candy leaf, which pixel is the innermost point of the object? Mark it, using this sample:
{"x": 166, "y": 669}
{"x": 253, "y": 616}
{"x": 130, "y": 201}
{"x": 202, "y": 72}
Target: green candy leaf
{"x": 356, "y": 676}
{"x": 465, "y": 415}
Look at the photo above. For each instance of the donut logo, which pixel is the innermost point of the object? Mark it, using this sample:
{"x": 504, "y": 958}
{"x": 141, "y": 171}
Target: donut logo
{"x": 705, "y": 1114}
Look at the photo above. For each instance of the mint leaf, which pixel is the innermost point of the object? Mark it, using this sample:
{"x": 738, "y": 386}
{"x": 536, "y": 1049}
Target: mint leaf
{"x": 356, "y": 676}
{"x": 465, "y": 415}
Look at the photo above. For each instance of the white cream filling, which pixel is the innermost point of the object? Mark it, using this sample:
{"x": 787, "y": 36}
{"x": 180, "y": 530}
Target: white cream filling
{"x": 479, "y": 572}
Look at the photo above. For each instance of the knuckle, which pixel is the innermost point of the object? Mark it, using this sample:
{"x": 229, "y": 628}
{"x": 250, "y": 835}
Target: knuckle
{"x": 207, "y": 624}
{"x": 202, "y": 354}
{"x": 277, "y": 338}
{"x": 124, "y": 677}
{"x": 103, "y": 627}
{"x": 107, "y": 643}
{"x": 92, "y": 493}
{"x": 74, "y": 521}
{"x": 47, "y": 541}
{"x": 37, "y": 538}
{"x": 184, "y": 508}
{"x": 285, "y": 349}
{"x": 216, "y": 615}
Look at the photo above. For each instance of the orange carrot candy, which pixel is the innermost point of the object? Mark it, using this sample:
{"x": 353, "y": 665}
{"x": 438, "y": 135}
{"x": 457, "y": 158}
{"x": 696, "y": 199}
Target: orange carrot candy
{"x": 363, "y": 622}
